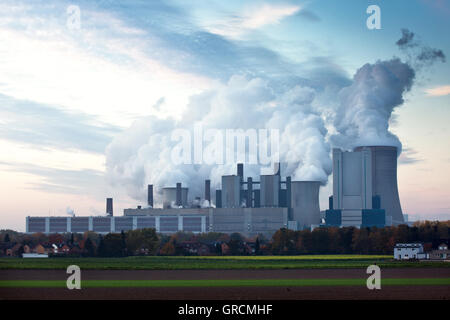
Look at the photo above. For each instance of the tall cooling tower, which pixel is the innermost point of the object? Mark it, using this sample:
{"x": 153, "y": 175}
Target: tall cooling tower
{"x": 384, "y": 179}
{"x": 305, "y": 202}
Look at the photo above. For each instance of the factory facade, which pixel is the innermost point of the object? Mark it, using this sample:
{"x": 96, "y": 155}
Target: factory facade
{"x": 364, "y": 194}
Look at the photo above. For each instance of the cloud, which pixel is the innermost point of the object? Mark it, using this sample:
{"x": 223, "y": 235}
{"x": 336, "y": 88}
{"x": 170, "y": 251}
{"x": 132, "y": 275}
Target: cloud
{"x": 309, "y": 15}
{"x": 419, "y": 55}
{"x": 54, "y": 180}
{"x": 43, "y": 126}
{"x": 252, "y": 18}
{"x": 438, "y": 91}
{"x": 407, "y": 40}
{"x": 409, "y": 156}
{"x": 105, "y": 68}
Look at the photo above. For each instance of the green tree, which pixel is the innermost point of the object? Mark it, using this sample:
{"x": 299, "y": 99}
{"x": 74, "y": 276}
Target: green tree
{"x": 111, "y": 246}
{"x": 321, "y": 241}
{"x": 257, "y": 246}
{"x": 236, "y": 244}
{"x": 89, "y": 248}
{"x": 284, "y": 241}
{"x": 168, "y": 249}
{"x": 142, "y": 241}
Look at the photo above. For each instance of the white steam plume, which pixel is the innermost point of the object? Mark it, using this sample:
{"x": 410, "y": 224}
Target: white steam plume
{"x": 358, "y": 115}
{"x": 142, "y": 153}
{"x": 362, "y": 118}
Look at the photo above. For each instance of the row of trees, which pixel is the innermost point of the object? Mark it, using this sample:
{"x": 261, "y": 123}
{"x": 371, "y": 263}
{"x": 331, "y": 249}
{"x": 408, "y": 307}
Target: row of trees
{"x": 358, "y": 241}
{"x": 319, "y": 241}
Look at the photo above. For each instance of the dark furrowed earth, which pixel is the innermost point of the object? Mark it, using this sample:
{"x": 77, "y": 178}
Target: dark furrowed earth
{"x": 33, "y": 274}
{"x": 228, "y": 293}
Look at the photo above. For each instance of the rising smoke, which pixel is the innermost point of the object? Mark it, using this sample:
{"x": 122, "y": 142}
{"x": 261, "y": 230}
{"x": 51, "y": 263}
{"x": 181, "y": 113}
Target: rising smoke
{"x": 366, "y": 106}
{"x": 418, "y": 55}
{"x": 142, "y": 153}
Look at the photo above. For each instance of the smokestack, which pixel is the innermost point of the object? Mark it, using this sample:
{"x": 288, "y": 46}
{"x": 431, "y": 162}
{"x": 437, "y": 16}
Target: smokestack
{"x": 208, "y": 190}
{"x": 289, "y": 196}
{"x": 218, "y": 198}
{"x": 150, "y": 195}
{"x": 249, "y": 192}
{"x": 240, "y": 171}
{"x": 109, "y": 206}
{"x": 178, "y": 198}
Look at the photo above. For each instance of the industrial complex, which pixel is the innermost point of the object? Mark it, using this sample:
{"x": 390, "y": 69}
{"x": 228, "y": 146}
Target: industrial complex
{"x": 365, "y": 194}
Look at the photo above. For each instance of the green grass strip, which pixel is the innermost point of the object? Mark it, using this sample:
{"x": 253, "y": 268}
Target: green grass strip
{"x": 221, "y": 283}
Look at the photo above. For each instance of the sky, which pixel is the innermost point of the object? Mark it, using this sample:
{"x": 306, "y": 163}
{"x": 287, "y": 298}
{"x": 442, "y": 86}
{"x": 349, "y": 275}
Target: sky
{"x": 70, "y": 87}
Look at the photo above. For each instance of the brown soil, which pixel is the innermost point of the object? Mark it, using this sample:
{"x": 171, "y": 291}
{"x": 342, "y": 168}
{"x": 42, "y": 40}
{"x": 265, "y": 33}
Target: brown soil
{"x": 232, "y": 293}
{"x": 223, "y": 274}
{"x": 228, "y": 293}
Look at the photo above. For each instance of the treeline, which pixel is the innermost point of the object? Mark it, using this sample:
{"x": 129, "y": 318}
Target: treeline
{"x": 358, "y": 241}
{"x": 284, "y": 242}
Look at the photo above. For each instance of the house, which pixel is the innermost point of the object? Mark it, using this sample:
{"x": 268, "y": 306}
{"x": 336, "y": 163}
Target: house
{"x": 408, "y": 251}
{"x": 442, "y": 253}
{"x": 41, "y": 249}
{"x": 64, "y": 248}
{"x": 13, "y": 250}
{"x": 195, "y": 248}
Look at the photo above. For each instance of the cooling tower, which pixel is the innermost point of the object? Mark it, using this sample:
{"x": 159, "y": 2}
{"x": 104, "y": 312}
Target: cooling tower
{"x": 170, "y": 197}
{"x": 384, "y": 180}
{"x": 305, "y": 202}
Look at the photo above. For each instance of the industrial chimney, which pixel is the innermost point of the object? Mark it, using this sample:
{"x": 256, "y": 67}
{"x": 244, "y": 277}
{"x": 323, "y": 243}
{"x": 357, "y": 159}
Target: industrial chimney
{"x": 150, "y": 195}
{"x": 109, "y": 206}
{"x": 208, "y": 191}
{"x": 178, "y": 196}
{"x": 240, "y": 171}
{"x": 249, "y": 203}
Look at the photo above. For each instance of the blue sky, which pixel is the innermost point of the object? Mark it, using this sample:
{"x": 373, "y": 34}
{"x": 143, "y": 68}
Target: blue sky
{"x": 66, "y": 93}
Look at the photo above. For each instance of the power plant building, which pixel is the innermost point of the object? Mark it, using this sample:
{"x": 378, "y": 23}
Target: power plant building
{"x": 246, "y": 206}
{"x": 365, "y": 194}
{"x": 365, "y": 189}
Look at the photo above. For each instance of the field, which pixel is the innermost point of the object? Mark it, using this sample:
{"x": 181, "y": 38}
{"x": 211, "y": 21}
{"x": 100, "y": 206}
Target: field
{"x": 243, "y": 277}
{"x": 216, "y": 262}
{"x": 222, "y": 283}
